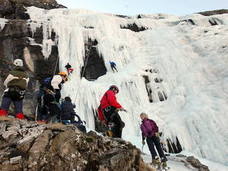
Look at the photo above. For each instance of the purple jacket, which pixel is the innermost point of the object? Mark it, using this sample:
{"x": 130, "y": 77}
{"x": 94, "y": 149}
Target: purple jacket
{"x": 148, "y": 128}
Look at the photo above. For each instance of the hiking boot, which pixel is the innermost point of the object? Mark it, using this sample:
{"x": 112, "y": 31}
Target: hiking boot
{"x": 20, "y": 116}
{"x": 3, "y": 112}
{"x": 164, "y": 166}
{"x": 156, "y": 161}
{"x": 164, "y": 163}
{"x": 109, "y": 133}
{"x": 163, "y": 159}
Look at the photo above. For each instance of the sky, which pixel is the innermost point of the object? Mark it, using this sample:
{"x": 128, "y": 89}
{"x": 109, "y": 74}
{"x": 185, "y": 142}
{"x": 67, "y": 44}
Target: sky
{"x": 133, "y": 7}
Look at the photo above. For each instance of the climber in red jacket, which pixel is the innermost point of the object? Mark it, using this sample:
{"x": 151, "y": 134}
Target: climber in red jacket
{"x": 108, "y": 111}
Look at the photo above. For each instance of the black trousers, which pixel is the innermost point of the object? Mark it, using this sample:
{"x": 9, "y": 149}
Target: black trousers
{"x": 47, "y": 108}
{"x": 113, "y": 117}
{"x": 155, "y": 141}
{"x": 114, "y": 68}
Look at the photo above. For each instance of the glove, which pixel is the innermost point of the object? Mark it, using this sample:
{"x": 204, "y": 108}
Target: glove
{"x": 143, "y": 142}
{"x": 157, "y": 134}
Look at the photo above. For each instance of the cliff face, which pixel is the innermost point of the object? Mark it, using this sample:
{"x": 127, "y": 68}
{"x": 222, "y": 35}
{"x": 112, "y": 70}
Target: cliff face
{"x": 29, "y": 146}
{"x": 214, "y": 12}
{"x": 15, "y": 42}
{"x": 18, "y": 40}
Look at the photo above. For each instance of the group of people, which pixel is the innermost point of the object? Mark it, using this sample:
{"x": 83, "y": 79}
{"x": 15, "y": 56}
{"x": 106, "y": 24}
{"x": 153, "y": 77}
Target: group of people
{"x": 108, "y": 115}
{"x": 49, "y": 107}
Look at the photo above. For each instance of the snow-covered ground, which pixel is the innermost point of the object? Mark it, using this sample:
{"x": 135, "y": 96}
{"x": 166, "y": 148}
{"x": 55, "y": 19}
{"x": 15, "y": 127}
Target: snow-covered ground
{"x": 174, "y": 163}
{"x": 192, "y": 60}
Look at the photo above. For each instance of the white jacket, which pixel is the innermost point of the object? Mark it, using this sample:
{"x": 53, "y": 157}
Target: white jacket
{"x": 56, "y": 80}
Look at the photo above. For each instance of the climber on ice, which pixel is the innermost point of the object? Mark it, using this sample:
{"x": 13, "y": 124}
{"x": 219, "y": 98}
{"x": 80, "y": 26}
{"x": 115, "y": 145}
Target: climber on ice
{"x": 108, "y": 111}
{"x": 113, "y": 66}
{"x": 150, "y": 132}
{"x": 16, "y": 84}
{"x": 69, "y": 68}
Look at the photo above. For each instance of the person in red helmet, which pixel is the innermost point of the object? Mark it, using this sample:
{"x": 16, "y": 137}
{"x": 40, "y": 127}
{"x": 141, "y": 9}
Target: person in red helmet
{"x": 108, "y": 111}
{"x": 16, "y": 84}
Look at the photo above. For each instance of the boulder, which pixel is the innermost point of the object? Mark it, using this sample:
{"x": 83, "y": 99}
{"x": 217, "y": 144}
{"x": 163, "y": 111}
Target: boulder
{"x": 30, "y": 146}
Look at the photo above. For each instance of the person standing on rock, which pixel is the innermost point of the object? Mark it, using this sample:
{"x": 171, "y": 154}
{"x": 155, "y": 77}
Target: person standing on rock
{"x": 16, "y": 84}
{"x": 108, "y": 112}
{"x": 50, "y": 96}
{"x": 150, "y": 132}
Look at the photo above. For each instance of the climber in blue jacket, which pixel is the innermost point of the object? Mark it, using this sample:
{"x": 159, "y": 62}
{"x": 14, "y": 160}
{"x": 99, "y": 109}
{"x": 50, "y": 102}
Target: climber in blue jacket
{"x": 113, "y": 66}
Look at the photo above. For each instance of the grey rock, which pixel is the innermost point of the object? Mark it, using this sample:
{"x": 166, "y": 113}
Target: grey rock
{"x": 60, "y": 147}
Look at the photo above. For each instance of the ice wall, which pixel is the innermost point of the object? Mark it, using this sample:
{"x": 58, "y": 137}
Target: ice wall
{"x": 181, "y": 62}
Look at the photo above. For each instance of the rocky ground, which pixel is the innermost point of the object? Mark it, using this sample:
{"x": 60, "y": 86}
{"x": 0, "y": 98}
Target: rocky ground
{"x": 29, "y": 146}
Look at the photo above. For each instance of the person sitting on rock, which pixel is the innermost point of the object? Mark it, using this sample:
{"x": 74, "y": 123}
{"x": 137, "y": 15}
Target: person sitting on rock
{"x": 150, "y": 132}
{"x": 68, "y": 114}
{"x": 67, "y": 111}
{"x": 69, "y": 68}
{"x": 16, "y": 84}
{"x": 108, "y": 112}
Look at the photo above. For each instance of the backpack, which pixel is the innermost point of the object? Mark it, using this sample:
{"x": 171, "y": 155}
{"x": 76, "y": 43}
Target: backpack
{"x": 150, "y": 127}
{"x": 15, "y": 93}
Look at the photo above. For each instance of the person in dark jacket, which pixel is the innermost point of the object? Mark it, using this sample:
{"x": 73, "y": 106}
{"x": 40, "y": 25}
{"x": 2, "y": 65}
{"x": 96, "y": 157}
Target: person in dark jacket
{"x": 50, "y": 94}
{"x": 67, "y": 110}
{"x": 68, "y": 114}
{"x": 108, "y": 111}
{"x": 150, "y": 132}
{"x": 113, "y": 66}
{"x": 69, "y": 68}
{"x": 16, "y": 84}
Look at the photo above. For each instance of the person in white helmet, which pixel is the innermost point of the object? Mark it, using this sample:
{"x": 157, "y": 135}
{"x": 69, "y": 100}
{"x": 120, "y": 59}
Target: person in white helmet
{"x": 16, "y": 84}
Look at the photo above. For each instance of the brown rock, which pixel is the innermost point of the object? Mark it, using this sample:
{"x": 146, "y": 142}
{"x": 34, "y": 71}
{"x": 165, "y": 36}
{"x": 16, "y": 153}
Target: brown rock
{"x": 59, "y": 147}
{"x": 196, "y": 163}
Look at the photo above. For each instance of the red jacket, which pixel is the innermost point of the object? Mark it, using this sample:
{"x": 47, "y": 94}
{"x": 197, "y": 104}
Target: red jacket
{"x": 108, "y": 99}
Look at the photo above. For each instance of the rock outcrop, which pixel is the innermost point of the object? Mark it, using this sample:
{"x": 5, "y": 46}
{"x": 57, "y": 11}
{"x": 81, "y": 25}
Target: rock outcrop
{"x": 214, "y": 12}
{"x": 190, "y": 162}
{"x": 29, "y": 146}
{"x": 15, "y": 9}
{"x": 16, "y": 39}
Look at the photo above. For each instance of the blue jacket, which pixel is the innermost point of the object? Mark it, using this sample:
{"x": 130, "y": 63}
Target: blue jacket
{"x": 67, "y": 109}
{"x": 113, "y": 64}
